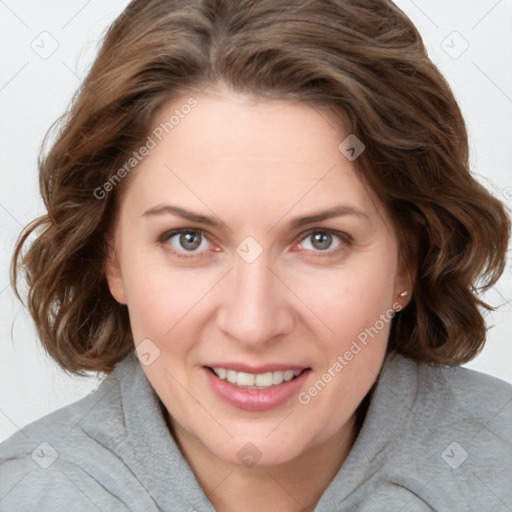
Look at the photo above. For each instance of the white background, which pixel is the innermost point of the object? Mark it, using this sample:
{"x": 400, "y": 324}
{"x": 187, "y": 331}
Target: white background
{"x": 34, "y": 91}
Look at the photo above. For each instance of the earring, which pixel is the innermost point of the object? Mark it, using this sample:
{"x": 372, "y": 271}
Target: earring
{"x": 404, "y": 293}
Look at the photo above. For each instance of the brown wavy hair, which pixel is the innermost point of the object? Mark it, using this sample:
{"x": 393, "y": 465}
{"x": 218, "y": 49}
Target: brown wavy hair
{"x": 362, "y": 58}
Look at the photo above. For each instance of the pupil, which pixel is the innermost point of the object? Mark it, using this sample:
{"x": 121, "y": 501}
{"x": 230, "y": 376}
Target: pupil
{"x": 322, "y": 240}
{"x": 187, "y": 240}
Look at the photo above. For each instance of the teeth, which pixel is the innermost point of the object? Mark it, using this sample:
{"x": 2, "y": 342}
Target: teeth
{"x": 222, "y": 373}
{"x": 277, "y": 378}
{"x": 255, "y": 380}
{"x": 231, "y": 376}
{"x": 244, "y": 379}
{"x": 263, "y": 380}
{"x": 288, "y": 375}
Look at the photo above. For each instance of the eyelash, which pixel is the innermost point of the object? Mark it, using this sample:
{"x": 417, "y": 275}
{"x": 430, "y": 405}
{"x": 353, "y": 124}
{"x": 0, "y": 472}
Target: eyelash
{"x": 346, "y": 241}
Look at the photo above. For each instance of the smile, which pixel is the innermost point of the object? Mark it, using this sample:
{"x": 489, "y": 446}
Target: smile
{"x": 255, "y": 380}
{"x": 255, "y": 389}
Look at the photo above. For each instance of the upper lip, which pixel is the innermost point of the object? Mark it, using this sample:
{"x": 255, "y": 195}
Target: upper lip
{"x": 263, "y": 368}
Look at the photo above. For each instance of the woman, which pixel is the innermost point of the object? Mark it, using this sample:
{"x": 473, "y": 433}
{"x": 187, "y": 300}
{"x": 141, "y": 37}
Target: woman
{"x": 271, "y": 203}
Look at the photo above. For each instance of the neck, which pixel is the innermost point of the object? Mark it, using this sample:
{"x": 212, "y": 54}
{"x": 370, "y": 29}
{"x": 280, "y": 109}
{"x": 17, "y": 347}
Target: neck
{"x": 295, "y": 485}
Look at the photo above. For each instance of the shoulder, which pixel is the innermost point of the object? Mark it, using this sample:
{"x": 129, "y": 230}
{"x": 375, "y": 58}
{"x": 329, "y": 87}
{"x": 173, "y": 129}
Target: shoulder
{"x": 453, "y": 393}
{"x": 463, "y": 395}
{"x": 61, "y": 428}
{"x": 452, "y": 401}
{"x": 455, "y": 437}
{"x": 55, "y": 463}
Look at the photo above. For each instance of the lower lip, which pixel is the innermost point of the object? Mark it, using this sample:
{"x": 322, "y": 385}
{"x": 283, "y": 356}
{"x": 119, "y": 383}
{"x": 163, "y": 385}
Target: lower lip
{"x": 256, "y": 399}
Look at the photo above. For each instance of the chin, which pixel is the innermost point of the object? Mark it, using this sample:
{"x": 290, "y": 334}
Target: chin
{"x": 260, "y": 449}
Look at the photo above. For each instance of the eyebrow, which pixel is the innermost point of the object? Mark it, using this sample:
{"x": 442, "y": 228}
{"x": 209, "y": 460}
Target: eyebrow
{"x": 163, "y": 209}
{"x": 337, "y": 211}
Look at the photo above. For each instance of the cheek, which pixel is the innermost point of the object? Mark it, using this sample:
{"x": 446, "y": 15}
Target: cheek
{"x": 156, "y": 298}
{"x": 348, "y": 300}
{"x": 165, "y": 305}
{"x": 356, "y": 306}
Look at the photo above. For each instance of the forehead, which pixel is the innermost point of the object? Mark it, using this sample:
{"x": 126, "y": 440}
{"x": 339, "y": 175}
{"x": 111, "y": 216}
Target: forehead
{"x": 228, "y": 125}
{"x": 236, "y": 151}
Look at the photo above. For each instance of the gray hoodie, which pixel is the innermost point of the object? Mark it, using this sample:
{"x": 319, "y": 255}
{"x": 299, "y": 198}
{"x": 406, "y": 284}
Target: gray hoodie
{"x": 434, "y": 438}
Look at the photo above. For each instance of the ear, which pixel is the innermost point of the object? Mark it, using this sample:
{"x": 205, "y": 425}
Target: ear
{"x": 113, "y": 274}
{"x": 406, "y": 275}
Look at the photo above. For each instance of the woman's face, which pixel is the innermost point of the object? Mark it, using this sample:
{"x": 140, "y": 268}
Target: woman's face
{"x": 228, "y": 257}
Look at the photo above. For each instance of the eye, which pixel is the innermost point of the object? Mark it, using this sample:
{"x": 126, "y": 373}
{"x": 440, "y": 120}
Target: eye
{"x": 185, "y": 240}
{"x": 188, "y": 242}
{"x": 321, "y": 240}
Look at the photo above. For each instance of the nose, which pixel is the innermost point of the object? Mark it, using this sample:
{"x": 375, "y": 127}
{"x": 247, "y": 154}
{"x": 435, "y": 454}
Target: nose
{"x": 256, "y": 307}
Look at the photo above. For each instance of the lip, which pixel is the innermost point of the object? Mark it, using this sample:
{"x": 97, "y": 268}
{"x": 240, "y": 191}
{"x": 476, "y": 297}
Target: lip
{"x": 256, "y": 399}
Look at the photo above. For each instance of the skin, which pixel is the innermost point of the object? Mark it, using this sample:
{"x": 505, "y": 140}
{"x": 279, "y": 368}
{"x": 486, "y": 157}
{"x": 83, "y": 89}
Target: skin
{"x": 256, "y": 165}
